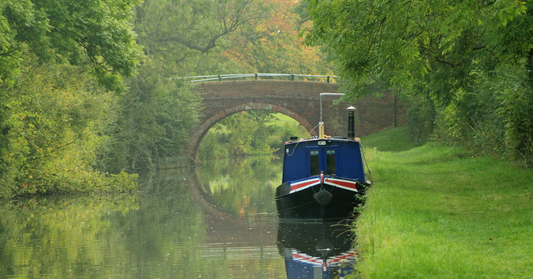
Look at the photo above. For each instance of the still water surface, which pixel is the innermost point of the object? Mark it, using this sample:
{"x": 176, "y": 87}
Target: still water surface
{"x": 214, "y": 221}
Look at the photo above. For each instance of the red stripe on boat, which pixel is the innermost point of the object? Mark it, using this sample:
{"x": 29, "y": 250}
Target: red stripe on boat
{"x": 303, "y": 184}
{"x": 305, "y": 258}
{"x": 350, "y": 255}
{"x": 350, "y": 185}
{"x": 315, "y": 261}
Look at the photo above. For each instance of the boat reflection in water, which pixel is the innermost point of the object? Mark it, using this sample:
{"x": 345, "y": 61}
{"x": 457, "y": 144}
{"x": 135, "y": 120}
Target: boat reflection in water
{"x": 316, "y": 250}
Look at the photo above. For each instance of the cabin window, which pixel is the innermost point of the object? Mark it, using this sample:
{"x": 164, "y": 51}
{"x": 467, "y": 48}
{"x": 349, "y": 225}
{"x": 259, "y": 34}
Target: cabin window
{"x": 315, "y": 168}
{"x": 330, "y": 161}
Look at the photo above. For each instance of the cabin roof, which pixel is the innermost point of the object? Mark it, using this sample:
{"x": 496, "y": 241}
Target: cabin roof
{"x": 338, "y": 139}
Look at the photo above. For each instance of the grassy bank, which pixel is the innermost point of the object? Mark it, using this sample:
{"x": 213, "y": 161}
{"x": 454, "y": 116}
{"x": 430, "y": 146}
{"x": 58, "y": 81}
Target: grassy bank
{"x": 436, "y": 212}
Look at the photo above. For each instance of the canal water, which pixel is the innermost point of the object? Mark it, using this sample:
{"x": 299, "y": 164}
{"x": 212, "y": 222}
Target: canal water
{"x": 217, "y": 220}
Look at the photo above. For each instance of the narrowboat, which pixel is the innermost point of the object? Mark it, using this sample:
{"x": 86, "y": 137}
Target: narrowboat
{"x": 323, "y": 177}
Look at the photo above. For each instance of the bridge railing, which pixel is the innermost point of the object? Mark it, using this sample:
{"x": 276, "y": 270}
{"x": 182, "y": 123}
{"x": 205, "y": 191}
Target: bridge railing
{"x": 255, "y": 76}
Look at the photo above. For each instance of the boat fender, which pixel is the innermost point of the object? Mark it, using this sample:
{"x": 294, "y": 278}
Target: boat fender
{"x": 323, "y": 197}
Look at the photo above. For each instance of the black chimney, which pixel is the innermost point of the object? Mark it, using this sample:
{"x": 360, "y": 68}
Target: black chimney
{"x": 351, "y": 123}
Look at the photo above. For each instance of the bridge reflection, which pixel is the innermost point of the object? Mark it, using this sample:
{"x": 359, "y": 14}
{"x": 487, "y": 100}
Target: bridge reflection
{"x": 236, "y": 197}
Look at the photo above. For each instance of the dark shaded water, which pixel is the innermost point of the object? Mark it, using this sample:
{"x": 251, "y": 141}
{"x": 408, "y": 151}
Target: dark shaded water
{"x": 214, "y": 221}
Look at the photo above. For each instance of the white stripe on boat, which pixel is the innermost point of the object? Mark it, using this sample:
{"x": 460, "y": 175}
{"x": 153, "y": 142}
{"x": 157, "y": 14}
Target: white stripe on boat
{"x": 298, "y": 186}
{"x": 345, "y": 184}
{"x": 341, "y": 183}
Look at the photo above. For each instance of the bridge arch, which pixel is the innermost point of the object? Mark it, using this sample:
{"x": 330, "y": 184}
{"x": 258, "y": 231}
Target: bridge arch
{"x": 211, "y": 121}
{"x": 297, "y": 99}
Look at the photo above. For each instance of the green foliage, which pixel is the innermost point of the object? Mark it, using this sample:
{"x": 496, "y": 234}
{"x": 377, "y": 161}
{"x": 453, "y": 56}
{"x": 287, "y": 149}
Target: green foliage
{"x": 214, "y": 37}
{"x": 185, "y": 38}
{"x": 420, "y": 116}
{"x": 398, "y": 43}
{"x": 450, "y": 61}
{"x": 52, "y": 133}
{"x": 494, "y": 117}
{"x": 389, "y": 140}
{"x": 516, "y": 115}
{"x": 273, "y": 44}
{"x": 52, "y": 116}
{"x": 154, "y": 123}
{"x": 237, "y": 135}
{"x": 58, "y": 127}
{"x": 96, "y": 33}
{"x": 247, "y": 133}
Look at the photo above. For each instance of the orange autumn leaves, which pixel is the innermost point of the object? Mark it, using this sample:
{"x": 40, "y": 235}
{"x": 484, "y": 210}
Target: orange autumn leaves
{"x": 274, "y": 44}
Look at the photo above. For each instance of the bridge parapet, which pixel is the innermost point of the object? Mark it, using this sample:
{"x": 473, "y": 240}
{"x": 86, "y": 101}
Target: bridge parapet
{"x": 255, "y": 76}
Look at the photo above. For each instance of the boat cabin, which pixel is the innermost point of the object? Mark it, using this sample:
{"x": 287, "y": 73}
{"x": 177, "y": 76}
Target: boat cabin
{"x": 336, "y": 157}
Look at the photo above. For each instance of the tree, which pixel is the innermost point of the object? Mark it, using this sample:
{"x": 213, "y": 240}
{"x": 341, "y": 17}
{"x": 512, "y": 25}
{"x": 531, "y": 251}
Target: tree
{"x": 96, "y": 33}
{"x": 253, "y": 132}
{"x": 225, "y": 36}
{"x": 400, "y": 43}
{"x": 185, "y": 37}
{"x": 155, "y": 120}
{"x": 52, "y": 116}
{"x": 273, "y": 45}
{"x": 55, "y": 126}
{"x": 444, "y": 49}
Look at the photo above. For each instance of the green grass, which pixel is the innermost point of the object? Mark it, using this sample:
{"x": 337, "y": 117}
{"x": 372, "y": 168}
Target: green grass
{"x": 390, "y": 139}
{"x": 434, "y": 212}
{"x": 282, "y": 118}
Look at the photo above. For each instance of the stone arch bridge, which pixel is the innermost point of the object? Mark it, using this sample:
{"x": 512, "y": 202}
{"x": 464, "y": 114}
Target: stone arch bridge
{"x": 298, "y": 99}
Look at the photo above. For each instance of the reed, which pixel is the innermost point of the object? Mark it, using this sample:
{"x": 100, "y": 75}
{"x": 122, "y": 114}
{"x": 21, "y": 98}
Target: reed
{"x": 436, "y": 212}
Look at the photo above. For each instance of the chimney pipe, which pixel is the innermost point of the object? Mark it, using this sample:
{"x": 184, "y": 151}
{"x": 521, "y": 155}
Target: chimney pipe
{"x": 351, "y": 122}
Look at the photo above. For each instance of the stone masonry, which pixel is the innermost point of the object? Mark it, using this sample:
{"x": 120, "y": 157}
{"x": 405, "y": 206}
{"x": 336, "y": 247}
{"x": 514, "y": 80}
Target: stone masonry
{"x": 297, "y": 99}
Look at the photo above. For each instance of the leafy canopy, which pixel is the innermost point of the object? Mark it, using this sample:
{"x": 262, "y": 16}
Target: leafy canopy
{"x": 96, "y": 33}
{"x": 419, "y": 44}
